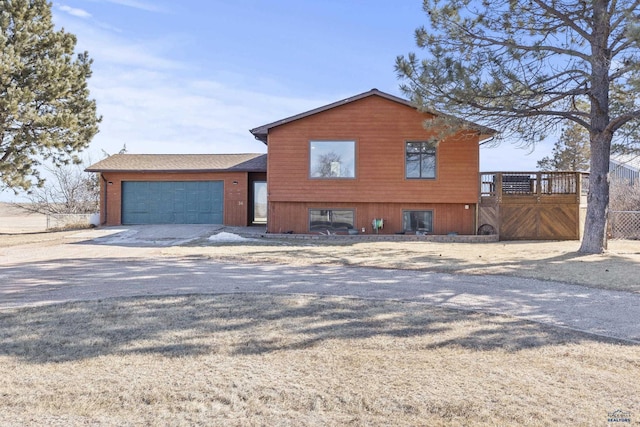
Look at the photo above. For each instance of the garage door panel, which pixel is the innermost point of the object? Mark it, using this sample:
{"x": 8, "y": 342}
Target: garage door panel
{"x": 172, "y": 202}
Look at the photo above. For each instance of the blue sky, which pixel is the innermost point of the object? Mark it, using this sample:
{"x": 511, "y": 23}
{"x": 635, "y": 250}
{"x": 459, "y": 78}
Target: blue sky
{"x": 193, "y": 76}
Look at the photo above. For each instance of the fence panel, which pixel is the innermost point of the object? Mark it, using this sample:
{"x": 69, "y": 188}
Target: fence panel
{"x": 62, "y": 221}
{"x": 624, "y": 224}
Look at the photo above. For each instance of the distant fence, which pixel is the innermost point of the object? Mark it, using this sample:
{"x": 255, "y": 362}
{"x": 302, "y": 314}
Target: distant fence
{"x": 624, "y": 224}
{"x": 62, "y": 221}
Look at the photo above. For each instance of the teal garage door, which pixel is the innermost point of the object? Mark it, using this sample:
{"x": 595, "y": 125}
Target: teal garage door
{"x": 172, "y": 202}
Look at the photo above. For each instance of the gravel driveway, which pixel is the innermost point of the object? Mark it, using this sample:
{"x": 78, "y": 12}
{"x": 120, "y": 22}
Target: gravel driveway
{"x": 97, "y": 268}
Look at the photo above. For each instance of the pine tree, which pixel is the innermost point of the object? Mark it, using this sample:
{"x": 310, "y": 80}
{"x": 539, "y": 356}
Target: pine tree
{"x": 521, "y": 67}
{"x": 45, "y": 110}
{"x": 570, "y": 152}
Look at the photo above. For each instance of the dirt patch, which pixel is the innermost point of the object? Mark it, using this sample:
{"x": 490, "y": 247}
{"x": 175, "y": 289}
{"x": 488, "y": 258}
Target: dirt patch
{"x": 282, "y": 360}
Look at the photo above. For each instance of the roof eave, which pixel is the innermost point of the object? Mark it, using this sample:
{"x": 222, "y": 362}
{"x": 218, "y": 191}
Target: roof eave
{"x": 261, "y": 132}
{"x": 174, "y": 170}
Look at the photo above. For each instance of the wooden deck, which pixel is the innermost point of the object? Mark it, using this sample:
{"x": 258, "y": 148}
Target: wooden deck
{"x": 533, "y": 205}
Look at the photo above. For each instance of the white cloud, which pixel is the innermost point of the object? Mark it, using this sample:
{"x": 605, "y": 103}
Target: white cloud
{"x": 136, "y": 4}
{"x": 132, "y": 55}
{"x": 79, "y": 13}
{"x": 108, "y": 46}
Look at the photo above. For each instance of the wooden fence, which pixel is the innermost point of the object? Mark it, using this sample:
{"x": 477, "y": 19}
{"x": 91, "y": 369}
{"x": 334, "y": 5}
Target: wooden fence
{"x": 533, "y": 205}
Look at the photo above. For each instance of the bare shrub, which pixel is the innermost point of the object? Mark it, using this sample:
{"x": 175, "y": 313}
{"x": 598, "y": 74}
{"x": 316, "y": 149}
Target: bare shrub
{"x": 70, "y": 190}
{"x": 624, "y": 196}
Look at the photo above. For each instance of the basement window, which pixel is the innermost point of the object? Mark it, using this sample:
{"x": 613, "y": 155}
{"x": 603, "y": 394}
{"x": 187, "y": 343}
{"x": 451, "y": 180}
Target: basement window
{"x": 331, "y": 219}
{"x": 417, "y": 221}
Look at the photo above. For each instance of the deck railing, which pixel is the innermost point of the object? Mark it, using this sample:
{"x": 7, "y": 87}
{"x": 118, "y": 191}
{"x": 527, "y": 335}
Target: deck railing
{"x": 532, "y": 183}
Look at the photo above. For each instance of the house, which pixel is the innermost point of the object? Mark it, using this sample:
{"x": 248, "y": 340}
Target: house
{"x": 182, "y": 189}
{"x": 367, "y": 163}
{"x": 625, "y": 168}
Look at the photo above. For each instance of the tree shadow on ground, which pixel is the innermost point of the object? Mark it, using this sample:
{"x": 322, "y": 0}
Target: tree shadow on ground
{"x": 255, "y": 324}
{"x": 613, "y": 272}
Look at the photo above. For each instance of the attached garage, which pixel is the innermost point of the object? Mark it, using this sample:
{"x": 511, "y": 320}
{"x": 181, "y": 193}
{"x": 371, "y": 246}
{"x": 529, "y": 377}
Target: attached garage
{"x": 181, "y": 188}
{"x": 173, "y": 202}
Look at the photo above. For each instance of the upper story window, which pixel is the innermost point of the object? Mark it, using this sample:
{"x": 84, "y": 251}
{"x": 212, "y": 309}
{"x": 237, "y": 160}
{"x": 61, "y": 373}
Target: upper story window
{"x": 332, "y": 159}
{"x": 420, "y": 159}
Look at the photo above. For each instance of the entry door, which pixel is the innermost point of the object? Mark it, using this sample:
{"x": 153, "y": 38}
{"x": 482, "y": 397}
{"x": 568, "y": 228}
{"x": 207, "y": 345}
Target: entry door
{"x": 259, "y": 202}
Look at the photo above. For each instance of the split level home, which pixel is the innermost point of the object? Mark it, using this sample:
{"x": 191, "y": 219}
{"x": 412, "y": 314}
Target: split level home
{"x": 365, "y": 164}
{"x": 368, "y": 164}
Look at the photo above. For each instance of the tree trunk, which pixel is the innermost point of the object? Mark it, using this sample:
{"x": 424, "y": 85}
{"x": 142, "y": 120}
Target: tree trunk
{"x": 594, "y": 240}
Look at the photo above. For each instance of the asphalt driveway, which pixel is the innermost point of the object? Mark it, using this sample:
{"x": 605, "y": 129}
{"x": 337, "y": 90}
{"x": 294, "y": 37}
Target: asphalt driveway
{"x": 126, "y": 263}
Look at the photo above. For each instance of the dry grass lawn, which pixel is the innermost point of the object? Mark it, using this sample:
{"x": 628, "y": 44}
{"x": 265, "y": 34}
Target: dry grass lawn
{"x": 559, "y": 260}
{"x": 243, "y": 360}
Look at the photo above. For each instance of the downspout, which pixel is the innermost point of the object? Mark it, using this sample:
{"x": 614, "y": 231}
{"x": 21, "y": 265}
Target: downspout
{"x": 477, "y": 205}
{"x": 487, "y": 140}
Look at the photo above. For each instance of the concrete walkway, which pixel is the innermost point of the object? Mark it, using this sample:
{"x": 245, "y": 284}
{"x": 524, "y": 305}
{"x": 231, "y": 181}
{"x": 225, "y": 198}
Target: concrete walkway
{"x": 93, "y": 271}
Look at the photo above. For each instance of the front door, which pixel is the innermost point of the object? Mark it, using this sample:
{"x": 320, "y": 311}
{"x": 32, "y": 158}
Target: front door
{"x": 259, "y": 202}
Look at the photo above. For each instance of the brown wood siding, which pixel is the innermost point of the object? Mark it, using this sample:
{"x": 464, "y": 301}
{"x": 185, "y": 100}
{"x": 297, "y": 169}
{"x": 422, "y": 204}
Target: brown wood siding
{"x": 380, "y": 128}
{"x": 447, "y": 218}
{"x": 236, "y": 191}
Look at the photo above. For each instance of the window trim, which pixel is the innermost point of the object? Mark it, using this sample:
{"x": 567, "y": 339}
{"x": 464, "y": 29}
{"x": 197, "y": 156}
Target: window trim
{"x": 340, "y": 178}
{"x": 352, "y": 210}
{"x": 434, "y": 146}
{"x": 405, "y": 211}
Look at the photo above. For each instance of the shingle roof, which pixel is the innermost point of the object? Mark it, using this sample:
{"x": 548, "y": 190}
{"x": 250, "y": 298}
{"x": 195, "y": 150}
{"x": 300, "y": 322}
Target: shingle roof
{"x": 252, "y": 162}
{"x": 260, "y": 133}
